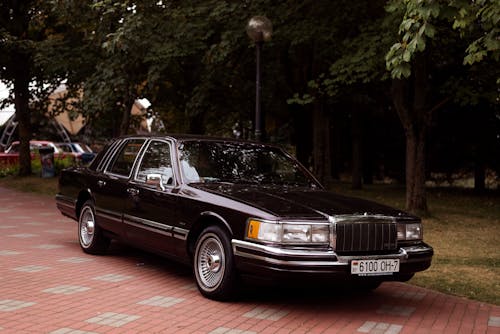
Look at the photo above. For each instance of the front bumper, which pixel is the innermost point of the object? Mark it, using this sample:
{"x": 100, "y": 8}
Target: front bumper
{"x": 252, "y": 258}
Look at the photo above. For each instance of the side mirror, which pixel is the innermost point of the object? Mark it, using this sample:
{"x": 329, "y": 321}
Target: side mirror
{"x": 155, "y": 180}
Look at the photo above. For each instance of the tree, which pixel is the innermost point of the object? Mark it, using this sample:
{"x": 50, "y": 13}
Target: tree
{"x": 408, "y": 60}
{"x": 24, "y": 28}
{"x": 194, "y": 62}
{"x": 354, "y": 74}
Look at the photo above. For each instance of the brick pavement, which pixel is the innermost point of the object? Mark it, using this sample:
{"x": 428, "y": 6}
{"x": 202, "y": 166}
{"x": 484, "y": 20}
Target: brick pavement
{"x": 48, "y": 285}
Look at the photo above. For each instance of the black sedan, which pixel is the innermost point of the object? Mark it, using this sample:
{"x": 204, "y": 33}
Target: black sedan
{"x": 232, "y": 208}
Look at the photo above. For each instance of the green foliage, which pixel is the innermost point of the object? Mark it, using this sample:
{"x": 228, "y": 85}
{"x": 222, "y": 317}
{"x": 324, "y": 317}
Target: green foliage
{"x": 36, "y": 166}
{"x": 480, "y": 20}
{"x": 416, "y": 27}
{"x": 8, "y": 169}
{"x": 477, "y": 21}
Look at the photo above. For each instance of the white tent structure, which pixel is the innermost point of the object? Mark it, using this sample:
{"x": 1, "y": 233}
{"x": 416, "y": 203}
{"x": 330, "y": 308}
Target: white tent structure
{"x": 5, "y": 115}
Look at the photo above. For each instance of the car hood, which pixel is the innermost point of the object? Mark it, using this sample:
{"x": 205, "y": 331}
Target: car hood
{"x": 293, "y": 202}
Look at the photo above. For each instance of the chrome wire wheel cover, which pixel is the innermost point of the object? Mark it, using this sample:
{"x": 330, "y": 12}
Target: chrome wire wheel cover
{"x": 210, "y": 262}
{"x": 87, "y": 227}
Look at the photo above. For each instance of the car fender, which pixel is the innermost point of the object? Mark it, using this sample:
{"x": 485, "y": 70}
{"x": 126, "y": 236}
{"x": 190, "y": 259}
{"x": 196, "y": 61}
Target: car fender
{"x": 219, "y": 218}
{"x": 199, "y": 225}
{"x": 83, "y": 196}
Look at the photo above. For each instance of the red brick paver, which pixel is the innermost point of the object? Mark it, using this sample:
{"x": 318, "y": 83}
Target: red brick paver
{"x": 48, "y": 285}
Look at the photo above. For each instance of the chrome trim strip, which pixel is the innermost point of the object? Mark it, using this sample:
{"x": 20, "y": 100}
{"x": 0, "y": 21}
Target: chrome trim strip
{"x": 282, "y": 252}
{"x": 168, "y": 230}
{"x": 151, "y": 229}
{"x": 149, "y": 223}
{"x": 416, "y": 249}
{"x": 402, "y": 256}
{"x": 180, "y": 233}
{"x": 240, "y": 246}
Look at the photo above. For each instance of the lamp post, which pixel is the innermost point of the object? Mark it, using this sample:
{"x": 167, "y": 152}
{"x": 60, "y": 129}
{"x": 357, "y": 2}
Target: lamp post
{"x": 259, "y": 29}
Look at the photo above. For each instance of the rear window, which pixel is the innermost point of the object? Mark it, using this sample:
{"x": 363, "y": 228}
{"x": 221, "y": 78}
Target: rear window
{"x": 123, "y": 161}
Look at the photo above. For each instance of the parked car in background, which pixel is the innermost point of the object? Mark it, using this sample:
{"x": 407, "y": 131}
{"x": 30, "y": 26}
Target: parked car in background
{"x": 232, "y": 208}
{"x": 81, "y": 152}
{"x": 11, "y": 154}
{"x": 35, "y": 145}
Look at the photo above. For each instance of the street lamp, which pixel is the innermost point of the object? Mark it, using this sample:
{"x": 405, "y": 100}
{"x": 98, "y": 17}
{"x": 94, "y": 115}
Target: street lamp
{"x": 259, "y": 29}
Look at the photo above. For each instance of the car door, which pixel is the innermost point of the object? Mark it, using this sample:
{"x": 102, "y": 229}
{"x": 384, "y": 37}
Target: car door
{"x": 110, "y": 188}
{"x": 150, "y": 209}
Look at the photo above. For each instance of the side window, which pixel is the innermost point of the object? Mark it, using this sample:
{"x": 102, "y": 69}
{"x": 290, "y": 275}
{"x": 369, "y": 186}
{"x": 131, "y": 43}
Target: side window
{"x": 124, "y": 160}
{"x": 156, "y": 161}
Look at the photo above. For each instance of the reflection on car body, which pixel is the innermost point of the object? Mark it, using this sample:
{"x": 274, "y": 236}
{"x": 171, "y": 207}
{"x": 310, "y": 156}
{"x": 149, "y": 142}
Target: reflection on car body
{"x": 232, "y": 208}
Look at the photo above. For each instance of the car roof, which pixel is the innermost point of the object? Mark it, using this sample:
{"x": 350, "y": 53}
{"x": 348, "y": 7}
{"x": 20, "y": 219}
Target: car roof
{"x": 192, "y": 137}
{"x": 36, "y": 142}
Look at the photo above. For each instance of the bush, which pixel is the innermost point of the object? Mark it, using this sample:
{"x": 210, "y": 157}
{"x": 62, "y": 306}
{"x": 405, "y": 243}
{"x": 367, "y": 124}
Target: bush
{"x": 36, "y": 166}
{"x": 8, "y": 169}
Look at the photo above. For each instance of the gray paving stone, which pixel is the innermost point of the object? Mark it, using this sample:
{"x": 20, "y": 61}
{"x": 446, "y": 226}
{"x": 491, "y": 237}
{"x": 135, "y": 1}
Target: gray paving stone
{"x": 224, "y": 330}
{"x": 23, "y": 235}
{"x": 6, "y": 226}
{"x": 31, "y": 268}
{"x": 9, "y": 253}
{"x": 76, "y": 259}
{"x": 161, "y": 301}
{"x": 7, "y": 305}
{"x": 266, "y": 313}
{"x": 112, "y": 278}
{"x": 34, "y": 224}
{"x": 56, "y": 231}
{"x": 113, "y": 319}
{"x": 70, "y": 331}
{"x": 48, "y": 246}
{"x": 494, "y": 322}
{"x": 66, "y": 289}
{"x": 373, "y": 327}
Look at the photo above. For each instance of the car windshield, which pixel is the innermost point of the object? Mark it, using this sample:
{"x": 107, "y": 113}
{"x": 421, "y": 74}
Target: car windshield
{"x": 240, "y": 163}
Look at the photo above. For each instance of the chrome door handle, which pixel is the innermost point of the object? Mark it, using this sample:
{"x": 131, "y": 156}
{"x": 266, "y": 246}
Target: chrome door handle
{"x": 101, "y": 183}
{"x": 133, "y": 191}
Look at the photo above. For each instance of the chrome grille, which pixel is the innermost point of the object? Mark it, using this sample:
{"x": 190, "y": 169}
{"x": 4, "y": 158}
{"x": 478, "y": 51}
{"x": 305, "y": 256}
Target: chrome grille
{"x": 365, "y": 236}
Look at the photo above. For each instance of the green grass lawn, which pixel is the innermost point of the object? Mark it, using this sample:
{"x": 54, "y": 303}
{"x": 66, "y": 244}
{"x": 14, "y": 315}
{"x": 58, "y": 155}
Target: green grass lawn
{"x": 463, "y": 228}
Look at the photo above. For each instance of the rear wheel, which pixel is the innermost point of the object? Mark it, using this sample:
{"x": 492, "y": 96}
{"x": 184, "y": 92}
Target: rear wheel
{"x": 90, "y": 235}
{"x": 213, "y": 264}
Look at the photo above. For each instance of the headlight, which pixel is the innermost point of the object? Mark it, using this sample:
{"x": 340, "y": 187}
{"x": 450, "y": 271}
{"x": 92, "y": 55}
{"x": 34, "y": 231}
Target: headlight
{"x": 411, "y": 231}
{"x": 291, "y": 233}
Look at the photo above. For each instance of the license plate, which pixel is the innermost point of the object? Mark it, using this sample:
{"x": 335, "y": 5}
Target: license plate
{"x": 374, "y": 267}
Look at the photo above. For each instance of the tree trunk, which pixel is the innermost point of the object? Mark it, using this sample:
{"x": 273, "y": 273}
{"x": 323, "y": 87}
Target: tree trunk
{"x": 415, "y": 118}
{"x": 125, "y": 122}
{"x": 126, "y": 107}
{"x": 23, "y": 114}
{"x": 416, "y": 200}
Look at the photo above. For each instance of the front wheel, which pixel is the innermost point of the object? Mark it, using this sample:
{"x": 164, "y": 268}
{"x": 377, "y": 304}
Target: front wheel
{"x": 213, "y": 264}
{"x": 90, "y": 235}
